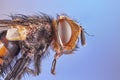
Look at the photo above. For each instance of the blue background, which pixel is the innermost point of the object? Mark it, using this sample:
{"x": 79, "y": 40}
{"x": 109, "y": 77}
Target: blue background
{"x": 100, "y": 58}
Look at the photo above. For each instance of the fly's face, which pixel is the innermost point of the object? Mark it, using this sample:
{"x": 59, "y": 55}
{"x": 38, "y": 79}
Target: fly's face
{"x": 67, "y": 32}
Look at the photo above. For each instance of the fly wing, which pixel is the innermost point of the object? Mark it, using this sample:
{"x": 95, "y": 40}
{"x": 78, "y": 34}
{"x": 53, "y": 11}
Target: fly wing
{"x": 4, "y": 25}
{"x": 3, "y": 28}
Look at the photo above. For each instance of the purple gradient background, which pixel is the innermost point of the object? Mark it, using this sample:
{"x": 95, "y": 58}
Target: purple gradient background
{"x": 100, "y": 59}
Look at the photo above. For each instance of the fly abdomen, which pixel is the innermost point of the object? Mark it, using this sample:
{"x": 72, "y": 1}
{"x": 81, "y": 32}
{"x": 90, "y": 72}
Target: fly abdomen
{"x": 3, "y": 52}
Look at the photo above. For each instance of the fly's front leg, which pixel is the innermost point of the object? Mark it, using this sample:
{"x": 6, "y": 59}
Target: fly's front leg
{"x": 37, "y": 60}
{"x": 41, "y": 49}
{"x": 57, "y": 55}
{"x": 36, "y": 71}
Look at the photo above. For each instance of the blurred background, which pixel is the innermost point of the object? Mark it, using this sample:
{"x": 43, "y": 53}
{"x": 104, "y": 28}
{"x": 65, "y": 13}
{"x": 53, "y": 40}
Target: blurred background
{"x": 100, "y": 58}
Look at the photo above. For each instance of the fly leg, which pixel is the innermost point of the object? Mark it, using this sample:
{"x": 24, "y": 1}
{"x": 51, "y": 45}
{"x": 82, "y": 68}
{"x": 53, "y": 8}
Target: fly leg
{"x": 38, "y": 57}
{"x": 37, "y": 60}
{"x": 57, "y": 55}
{"x": 19, "y": 68}
{"x": 22, "y": 69}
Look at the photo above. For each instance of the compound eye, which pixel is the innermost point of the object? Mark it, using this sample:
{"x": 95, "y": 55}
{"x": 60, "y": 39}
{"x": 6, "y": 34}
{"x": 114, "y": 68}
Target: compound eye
{"x": 64, "y": 31}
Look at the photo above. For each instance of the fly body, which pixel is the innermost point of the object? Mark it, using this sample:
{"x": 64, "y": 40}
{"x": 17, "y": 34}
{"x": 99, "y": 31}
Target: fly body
{"x": 25, "y": 40}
